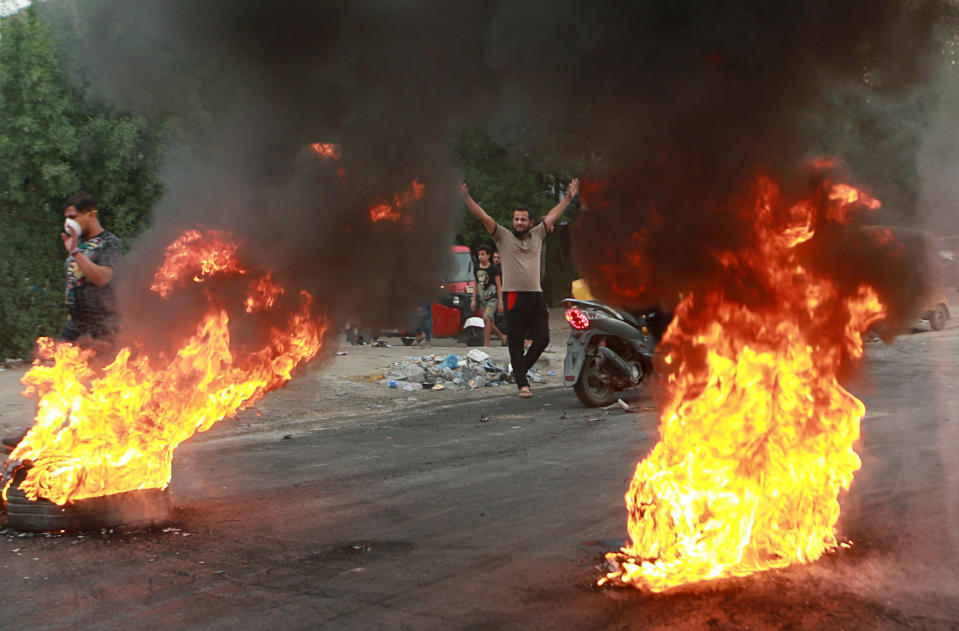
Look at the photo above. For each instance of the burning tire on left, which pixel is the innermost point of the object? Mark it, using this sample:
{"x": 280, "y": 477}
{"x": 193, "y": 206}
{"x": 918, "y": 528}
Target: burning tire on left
{"x": 132, "y": 508}
{"x": 100, "y": 451}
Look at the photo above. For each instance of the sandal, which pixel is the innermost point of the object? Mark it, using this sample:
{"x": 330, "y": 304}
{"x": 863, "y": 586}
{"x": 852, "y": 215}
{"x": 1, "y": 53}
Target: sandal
{"x": 525, "y": 393}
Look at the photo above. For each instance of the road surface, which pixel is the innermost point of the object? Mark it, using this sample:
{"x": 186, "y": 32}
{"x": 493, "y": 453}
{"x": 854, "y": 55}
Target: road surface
{"x": 492, "y": 514}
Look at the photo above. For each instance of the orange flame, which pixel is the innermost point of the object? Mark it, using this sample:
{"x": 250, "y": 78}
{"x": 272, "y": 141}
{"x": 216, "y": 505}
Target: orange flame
{"x": 114, "y": 430}
{"x": 756, "y": 433}
{"x": 848, "y": 198}
{"x": 326, "y": 150}
{"x": 387, "y": 211}
{"x": 203, "y": 254}
{"x": 263, "y": 294}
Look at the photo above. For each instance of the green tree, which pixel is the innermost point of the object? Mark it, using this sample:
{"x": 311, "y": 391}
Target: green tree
{"x": 52, "y": 144}
{"x": 501, "y": 180}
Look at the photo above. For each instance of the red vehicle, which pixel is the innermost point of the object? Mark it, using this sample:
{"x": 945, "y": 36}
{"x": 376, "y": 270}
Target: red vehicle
{"x": 460, "y": 278}
{"x": 452, "y": 316}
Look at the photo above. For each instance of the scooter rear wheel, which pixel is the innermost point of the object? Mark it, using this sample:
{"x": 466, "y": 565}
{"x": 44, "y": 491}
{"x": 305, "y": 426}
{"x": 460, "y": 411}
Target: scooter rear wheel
{"x": 591, "y": 389}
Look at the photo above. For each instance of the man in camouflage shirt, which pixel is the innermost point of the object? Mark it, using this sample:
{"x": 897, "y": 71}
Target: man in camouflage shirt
{"x": 92, "y": 256}
{"x": 92, "y": 253}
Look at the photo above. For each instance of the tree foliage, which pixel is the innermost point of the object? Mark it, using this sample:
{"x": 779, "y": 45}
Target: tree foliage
{"x": 54, "y": 143}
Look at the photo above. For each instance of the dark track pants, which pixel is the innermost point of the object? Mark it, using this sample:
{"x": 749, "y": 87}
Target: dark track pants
{"x": 526, "y": 310}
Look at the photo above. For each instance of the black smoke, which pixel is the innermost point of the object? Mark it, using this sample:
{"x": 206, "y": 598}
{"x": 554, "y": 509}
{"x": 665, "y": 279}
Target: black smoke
{"x": 386, "y": 83}
{"x": 668, "y": 108}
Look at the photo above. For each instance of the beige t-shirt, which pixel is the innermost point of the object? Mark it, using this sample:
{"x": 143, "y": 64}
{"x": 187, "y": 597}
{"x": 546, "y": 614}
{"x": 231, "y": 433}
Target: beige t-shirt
{"x": 520, "y": 258}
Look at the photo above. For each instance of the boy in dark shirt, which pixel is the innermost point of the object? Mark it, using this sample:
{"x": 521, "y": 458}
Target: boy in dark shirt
{"x": 487, "y": 293}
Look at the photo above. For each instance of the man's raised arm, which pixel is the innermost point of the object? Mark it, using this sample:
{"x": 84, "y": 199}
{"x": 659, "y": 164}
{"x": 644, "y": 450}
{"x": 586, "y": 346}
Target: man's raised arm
{"x": 488, "y": 222}
{"x": 557, "y": 210}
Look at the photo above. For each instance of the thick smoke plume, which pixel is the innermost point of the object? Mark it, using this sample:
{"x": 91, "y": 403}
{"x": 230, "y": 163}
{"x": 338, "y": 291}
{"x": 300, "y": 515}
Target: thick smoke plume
{"x": 670, "y": 108}
{"x": 722, "y": 95}
{"x": 385, "y": 83}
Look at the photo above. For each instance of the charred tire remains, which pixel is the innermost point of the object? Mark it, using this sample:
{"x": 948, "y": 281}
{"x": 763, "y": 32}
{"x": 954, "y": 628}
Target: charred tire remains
{"x": 141, "y": 507}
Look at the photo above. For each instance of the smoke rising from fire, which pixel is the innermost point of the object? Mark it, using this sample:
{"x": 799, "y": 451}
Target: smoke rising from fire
{"x": 669, "y": 108}
{"x": 369, "y": 77}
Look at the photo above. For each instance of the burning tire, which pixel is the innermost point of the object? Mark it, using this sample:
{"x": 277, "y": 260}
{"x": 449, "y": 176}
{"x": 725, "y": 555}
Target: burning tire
{"x": 141, "y": 507}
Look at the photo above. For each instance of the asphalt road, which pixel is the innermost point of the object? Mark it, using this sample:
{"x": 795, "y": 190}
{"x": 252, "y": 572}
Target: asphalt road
{"x": 493, "y": 514}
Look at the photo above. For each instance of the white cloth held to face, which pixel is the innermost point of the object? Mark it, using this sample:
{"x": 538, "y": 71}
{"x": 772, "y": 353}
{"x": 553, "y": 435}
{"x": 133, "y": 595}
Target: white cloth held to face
{"x": 72, "y": 227}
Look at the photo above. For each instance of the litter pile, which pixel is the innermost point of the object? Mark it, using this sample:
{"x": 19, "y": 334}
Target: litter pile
{"x": 438, "y": 372}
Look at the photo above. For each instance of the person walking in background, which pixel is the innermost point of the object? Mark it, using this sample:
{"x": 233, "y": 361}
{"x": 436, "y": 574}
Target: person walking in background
{"x": 487, "y": 292}
{"x": 520, "y": 250}
{"x": 92, "y": 255}
{"x": 424, "y": 329}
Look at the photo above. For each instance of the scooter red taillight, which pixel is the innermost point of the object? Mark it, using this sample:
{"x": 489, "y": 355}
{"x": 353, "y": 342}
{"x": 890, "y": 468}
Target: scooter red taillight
{"x": 577, "y": 318}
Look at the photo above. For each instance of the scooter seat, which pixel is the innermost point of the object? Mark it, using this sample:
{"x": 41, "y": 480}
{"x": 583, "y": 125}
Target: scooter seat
{"x": 636, "y": 320}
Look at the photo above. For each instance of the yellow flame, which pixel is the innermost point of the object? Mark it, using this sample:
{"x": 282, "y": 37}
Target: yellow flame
{"x": 756, "y": 433}
{"x": 110, "y": 431}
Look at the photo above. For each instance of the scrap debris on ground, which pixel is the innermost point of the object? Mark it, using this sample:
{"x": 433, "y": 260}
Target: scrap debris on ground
{"x": 437, "y": 372}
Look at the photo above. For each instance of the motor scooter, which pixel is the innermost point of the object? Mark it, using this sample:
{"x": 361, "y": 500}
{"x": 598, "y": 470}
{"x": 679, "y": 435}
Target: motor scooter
{"x": 608, "y": 349}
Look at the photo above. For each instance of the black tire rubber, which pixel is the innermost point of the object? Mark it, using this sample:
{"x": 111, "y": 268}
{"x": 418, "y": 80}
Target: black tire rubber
{"x": 144, "y": 507}
{"x": 589, "y": 389}
{"x": 938, "y": 317}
